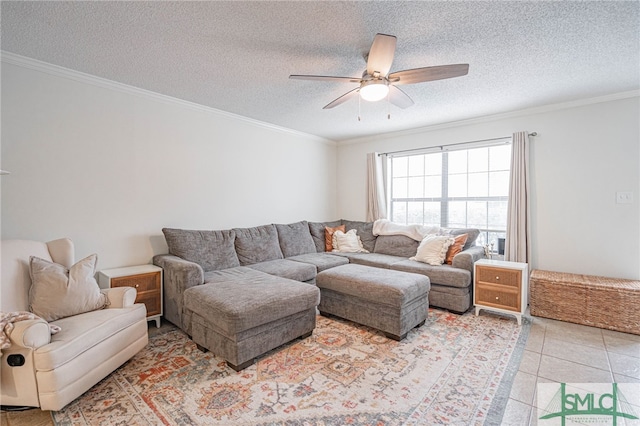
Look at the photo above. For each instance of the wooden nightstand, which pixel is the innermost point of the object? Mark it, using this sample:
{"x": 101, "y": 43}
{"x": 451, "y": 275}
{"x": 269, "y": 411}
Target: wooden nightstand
{"x": 501, "y": 286}
{"x": 146, "y": 279}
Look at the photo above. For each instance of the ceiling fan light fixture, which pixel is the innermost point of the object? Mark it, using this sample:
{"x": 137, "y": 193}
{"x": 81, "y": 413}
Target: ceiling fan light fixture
{"x": 374, "y": 90}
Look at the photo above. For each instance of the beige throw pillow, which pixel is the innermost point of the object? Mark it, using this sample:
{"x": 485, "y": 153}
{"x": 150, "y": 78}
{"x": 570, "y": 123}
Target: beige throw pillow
{"x": 347, "y": 242}
{"x": 57, "y": 292}
{"x": 433, "y": 249}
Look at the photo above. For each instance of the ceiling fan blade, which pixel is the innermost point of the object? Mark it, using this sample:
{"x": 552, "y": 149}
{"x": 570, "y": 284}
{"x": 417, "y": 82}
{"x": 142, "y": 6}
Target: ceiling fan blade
{"x": 342, "y": 99}
{"x": 399, "y": 98}
{"x": 419, "y": 75}
{"x": 326, "y": 78}
{"x": 381, "y": 54}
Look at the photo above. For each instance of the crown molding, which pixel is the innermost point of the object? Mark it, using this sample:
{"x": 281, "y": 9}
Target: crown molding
{"x": 495, "y": 117}
{"x": 56, "y": 70}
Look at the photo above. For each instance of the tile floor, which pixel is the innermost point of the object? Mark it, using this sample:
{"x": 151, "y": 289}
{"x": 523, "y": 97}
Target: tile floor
{"x": 559, "y": 352}
{"x": 555, "y": 352}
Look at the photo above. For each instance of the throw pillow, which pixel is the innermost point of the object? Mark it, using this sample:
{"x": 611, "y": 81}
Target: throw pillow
{"x": 433, "y": 249}
{"x": 57, "y": 292}
{"x": 348, "y": 242}
{"x": 455, "y": 248}
{"x": 328, "y": 236}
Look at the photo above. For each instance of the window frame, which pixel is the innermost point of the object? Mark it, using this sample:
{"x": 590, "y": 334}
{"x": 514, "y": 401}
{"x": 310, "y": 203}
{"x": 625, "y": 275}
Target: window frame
{"x": 444, "y": 198}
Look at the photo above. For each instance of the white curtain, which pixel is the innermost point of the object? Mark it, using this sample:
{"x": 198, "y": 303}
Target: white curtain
{"x": 376, "y": 194}
{"x": 518, "y": 240}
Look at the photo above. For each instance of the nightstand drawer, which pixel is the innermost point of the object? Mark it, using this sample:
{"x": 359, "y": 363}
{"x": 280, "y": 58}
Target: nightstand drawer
{"x": 501, "y": 276}
{"x": 152, "y": 301}
{"x": 497, "y": 296}
{"x": 141, "y": 282}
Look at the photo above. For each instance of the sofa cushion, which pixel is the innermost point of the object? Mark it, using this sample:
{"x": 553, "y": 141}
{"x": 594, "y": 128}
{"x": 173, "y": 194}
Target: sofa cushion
{"x": 317, "y": 233}
{"x": 212, "y": 250}
{"x": 259, "y": 244}
{"x": 377, "y": 260}
{"x": 321, "y": 261}
{"x": 286, "y": 268}
{"x": 365, "y": 231}
{"x": 231, "y": 307}
{"x": 231, "y": 274}
{"x": 57, "y": 292}
{"x": 441, "y": 274}
{"x": 396, "y": 245}
{"x": 82, "y": 332}
{"x": 295, "y": 239}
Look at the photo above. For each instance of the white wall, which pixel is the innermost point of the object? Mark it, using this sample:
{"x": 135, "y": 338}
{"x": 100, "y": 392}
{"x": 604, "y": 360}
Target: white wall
{"x": 581, "y": 157}
{"x": 110, "y": 168}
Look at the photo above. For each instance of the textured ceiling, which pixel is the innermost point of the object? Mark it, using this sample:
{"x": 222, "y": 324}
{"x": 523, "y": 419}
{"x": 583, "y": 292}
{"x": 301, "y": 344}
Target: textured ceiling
{"x": 237, "y": 56}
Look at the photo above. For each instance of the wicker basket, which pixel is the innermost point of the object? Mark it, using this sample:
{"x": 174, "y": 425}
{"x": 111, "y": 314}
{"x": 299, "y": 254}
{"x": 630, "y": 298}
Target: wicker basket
{"x": 602, "y": 302}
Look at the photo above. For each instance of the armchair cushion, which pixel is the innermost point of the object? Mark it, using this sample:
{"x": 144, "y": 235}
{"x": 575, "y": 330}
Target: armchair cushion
{"x": 58, "y": 292}
{"x": 82, "y": 332}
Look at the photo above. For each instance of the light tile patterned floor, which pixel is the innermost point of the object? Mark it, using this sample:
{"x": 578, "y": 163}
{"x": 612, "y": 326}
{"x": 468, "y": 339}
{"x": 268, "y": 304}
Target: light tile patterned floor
{"x": 563, "y": 352}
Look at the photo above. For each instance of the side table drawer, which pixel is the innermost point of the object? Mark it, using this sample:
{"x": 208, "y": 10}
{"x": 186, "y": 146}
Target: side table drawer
{"x": 152, "y": 301}
{"x": 141, "y": 282}
{"x": 498, "y": 296}
{"x": 502, "y": 276}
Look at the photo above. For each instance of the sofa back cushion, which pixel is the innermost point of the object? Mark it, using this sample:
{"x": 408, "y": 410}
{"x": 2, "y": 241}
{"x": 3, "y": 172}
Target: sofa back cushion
{"x": 295, "y": 239}
{"x": 317, "y": 233}
{"x": 364, "y": 231}
{"x": 396, "y": 245}
{"x": 259, "y": 244}
{"x": 212, "y": 250}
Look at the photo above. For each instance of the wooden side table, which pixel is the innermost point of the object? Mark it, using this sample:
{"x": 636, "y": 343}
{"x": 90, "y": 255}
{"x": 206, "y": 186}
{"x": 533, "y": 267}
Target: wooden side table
{"x": 501, "y": 286}
{"x": 146, "y": 279}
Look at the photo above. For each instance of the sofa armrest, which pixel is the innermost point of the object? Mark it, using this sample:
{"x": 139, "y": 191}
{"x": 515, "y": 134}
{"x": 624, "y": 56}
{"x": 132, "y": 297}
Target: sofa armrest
{"x": 30, "y": 333}
{"x": 120, "y": 297}
{"x": 466, "y": 258}
{"x": 179, "y": 275}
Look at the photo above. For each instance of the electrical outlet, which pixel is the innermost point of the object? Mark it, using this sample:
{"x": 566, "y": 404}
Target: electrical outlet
{"x": 624, "y": 197}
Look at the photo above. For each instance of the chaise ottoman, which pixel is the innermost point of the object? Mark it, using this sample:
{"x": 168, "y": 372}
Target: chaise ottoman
{"x": 391, "y": 301}
{"x": 243, "y": 317}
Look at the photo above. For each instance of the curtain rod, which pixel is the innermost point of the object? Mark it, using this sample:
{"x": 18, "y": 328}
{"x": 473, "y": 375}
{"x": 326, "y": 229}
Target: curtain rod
{"x": 452, "y": 144}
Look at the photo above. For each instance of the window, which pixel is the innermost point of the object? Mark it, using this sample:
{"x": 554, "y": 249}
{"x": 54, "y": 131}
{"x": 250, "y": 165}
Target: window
{"x": 454, "y": 189}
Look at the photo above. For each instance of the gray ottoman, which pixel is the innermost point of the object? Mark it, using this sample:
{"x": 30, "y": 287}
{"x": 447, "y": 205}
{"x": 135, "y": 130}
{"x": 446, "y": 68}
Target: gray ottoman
{"x": 391, "y": 301}
{"x": 243, "y": 318}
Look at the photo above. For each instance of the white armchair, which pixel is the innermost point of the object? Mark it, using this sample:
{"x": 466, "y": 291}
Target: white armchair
{"x": 50, "y": 371}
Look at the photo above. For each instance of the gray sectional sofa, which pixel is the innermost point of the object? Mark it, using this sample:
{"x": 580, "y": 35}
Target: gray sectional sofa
{"x": 260, "y": 281}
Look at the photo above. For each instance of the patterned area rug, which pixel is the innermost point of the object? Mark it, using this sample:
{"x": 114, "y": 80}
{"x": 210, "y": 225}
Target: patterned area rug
{"x": 446, "y": 372}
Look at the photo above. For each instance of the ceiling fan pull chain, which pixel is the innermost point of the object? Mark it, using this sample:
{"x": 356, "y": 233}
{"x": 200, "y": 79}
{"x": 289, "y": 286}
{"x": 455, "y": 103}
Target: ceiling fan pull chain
{"x": 388, "y": 106}
{"x": 359, "y": 101}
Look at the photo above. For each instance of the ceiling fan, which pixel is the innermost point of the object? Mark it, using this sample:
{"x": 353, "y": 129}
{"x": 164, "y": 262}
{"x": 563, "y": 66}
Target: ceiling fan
{"x": 376, "y": 82}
